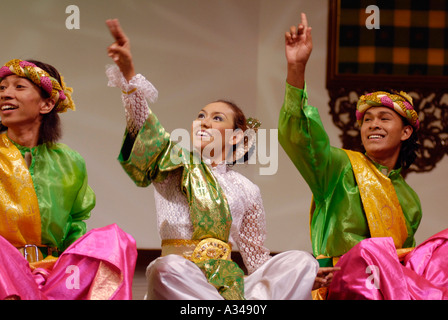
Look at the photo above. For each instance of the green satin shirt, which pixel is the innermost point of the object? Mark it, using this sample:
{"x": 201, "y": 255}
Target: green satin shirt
{"x": 65, "y": 199}
{"x": 338, "y": 221}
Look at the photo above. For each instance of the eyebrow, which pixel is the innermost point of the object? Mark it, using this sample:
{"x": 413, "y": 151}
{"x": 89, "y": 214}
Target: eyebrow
{"x": 389, "y": 112}
{"x": 14, "y": 80}
{"x": 214, "y": 113}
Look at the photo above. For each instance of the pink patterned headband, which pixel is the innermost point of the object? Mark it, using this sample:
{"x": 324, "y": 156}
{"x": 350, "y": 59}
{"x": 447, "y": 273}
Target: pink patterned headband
{"x": 400, "y": 103}
{"x": 25, "y": 69}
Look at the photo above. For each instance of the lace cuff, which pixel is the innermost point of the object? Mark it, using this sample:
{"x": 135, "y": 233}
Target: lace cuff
{"x": 134, "y": 93}
{"x": 252, "y": 235}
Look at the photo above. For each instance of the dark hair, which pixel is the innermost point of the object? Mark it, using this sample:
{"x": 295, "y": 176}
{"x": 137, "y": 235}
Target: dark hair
{"x": 409, "y": 147}
{"x": 240, "y": 122}
{"x": 50, "y": 129}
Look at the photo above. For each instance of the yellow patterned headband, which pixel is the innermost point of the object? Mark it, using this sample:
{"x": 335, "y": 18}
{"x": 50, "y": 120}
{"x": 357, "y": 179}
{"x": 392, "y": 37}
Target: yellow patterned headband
{"x": 61, "y": 94}
{"x": 400, "y": 103}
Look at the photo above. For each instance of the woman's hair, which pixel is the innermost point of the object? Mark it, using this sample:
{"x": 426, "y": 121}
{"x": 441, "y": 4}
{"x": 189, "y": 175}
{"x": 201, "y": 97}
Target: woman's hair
{"x": 50, "y": 129}
{"x": 240, "y": 122}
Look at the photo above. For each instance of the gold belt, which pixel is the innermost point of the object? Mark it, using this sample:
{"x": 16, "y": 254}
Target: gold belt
{"x": 197, "y": 250}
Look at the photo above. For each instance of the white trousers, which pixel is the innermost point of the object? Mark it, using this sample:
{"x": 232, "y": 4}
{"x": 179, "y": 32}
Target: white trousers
{"x": 286, "y": 276}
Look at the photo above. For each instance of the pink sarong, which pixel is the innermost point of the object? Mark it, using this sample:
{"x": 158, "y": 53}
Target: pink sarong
{"x": 372, "y": 270}
{"x": 99, "y": 265}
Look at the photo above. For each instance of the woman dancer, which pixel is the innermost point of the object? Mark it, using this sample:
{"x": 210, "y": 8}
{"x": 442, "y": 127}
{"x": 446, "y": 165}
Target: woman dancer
{"x": 203, "y": 206}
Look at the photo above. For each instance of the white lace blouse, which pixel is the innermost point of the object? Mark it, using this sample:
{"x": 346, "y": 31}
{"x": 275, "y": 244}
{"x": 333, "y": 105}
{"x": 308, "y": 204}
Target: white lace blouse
{"x": 248, "y": 231}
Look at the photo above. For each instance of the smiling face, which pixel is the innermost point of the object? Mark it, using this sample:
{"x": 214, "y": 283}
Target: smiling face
{"x": 209, "y": 131}
{"x": 21, "y": 103}
{"x": 382, "y": 133}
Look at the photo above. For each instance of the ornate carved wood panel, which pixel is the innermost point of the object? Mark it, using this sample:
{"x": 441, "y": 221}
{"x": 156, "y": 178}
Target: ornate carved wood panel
{"x": 429, "y": 92}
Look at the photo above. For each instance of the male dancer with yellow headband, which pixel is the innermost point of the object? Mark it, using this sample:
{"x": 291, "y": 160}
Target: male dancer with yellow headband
{"x": 45, "y": 252}
{"x": 338, "y": 221}
{"x": 358, "y": 198}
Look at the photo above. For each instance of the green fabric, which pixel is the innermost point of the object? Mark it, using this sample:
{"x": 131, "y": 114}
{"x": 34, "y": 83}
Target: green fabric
{"x": 325, "y": 262}
{"x": 338, "y": 220}
{"x": 226, "y": 276}
{"x": 65, "y": 199}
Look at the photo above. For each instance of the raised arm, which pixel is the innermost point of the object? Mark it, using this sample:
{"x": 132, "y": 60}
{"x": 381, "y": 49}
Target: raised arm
{"x": 136, "y": 89}
{"x": 298, "y": 47}
{"x": 145, "y": 139}
{"x": 120, "y": 50}
{"x": 300, "y": 130}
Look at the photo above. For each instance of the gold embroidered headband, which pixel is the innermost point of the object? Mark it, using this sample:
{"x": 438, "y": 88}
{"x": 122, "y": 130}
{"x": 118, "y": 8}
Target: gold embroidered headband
{"x": 253, "y": 125}
{"x": 60, "y": 93}
{"x": 400, "y": 103}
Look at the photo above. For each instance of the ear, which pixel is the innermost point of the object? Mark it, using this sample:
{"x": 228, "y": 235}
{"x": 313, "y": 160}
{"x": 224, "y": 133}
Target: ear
{"x": 47, "y": 106}
{"x": 406, "y": 132}
{"x": 237, "y": 137}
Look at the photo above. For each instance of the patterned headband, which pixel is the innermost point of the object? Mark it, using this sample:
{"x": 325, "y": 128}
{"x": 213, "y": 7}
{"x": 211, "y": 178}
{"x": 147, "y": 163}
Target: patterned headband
{"x": 25, "y": 69}
{"x": 253, "y": 125}
{"x": 400, "y": 103}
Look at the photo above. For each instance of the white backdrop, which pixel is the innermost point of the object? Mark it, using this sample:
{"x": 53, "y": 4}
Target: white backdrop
{"x": 193, "y": 51}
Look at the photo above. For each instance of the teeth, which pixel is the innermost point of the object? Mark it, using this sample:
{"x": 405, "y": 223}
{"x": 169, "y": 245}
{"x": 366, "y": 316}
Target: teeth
{"x": 375, "y": 136}
{"x": 8, "y": 107}
{"x": 203, "y": 134}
